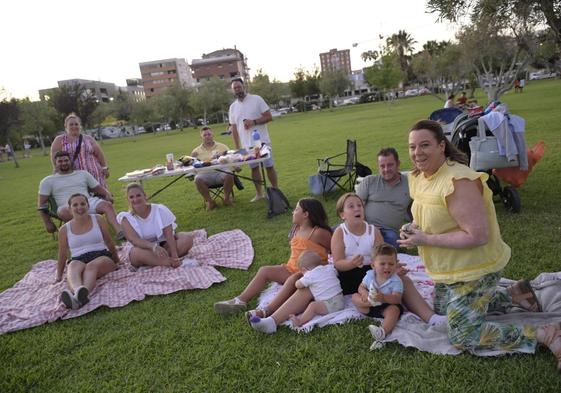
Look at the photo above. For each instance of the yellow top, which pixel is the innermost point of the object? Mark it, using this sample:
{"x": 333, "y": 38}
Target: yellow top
{"x": 205, "y": 154}
{"x": 430, "y": 211}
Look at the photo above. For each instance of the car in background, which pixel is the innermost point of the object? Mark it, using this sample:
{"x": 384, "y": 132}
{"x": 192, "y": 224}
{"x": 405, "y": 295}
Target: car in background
{"x": 412, "y": 93}
{"x": 424, "y": 91}
{"x": 276, "y": 113}
{"x": 542, "y": 74}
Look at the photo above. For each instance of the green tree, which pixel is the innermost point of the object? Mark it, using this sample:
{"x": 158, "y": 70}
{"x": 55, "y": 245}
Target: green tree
{"x": 401, "y": 44}
{"x": 272, "y": 92}
{"x": 496, "y": 58}
{"x": 527, "y": 13}
{"x": 333, "y": 84}
{"x": 38, "y": 118}
{"x": 9, "y": 119}
{"x": 75, "y": 98}
{"x": 212, "y": 96}
{"x": 312, "y": 82}
{"x": 297, "y": 85}
{"x": 385, "y": 73}
{"x": 176, "y": 104}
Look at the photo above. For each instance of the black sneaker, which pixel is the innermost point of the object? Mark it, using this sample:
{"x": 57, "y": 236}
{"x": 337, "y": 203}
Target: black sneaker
{"x": 82, "y": 294}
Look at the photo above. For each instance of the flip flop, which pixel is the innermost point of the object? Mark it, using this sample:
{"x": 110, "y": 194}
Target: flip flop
{"x": 524, "y": 296}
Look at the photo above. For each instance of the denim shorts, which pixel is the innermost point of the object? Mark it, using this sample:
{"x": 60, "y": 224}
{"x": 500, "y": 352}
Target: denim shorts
{"x": 90, "y": 256}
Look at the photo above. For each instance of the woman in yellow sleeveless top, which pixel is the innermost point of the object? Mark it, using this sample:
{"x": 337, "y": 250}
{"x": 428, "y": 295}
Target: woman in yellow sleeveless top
{"x": 310, "y": 231}
{"x": 458, "y": 237}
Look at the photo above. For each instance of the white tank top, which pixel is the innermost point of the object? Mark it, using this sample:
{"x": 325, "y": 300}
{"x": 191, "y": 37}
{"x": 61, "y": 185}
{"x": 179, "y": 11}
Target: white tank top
{"x": 359, "y": 245}
{"x": 86, "y": 242}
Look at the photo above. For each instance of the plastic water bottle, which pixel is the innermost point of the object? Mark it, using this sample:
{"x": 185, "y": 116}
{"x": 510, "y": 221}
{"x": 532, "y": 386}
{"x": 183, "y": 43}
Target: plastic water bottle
{"x": 372, "y": 295}
{"x": 256, "y": 142}
{"x": 256, "y": 139}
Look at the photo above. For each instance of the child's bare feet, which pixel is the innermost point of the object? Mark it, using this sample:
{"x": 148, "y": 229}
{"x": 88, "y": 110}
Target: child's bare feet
{"x": 295, "y": 320}
{"x": 175, "y": 262}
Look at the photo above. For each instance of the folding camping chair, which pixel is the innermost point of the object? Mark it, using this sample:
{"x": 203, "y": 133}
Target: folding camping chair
{"x": 342, "y": 175}
{"x": 217, "y": 191}
{"x": 50, "y": 209}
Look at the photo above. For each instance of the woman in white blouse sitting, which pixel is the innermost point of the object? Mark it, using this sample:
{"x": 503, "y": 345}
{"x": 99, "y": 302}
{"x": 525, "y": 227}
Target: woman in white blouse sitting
{"x": 150, "y": 228}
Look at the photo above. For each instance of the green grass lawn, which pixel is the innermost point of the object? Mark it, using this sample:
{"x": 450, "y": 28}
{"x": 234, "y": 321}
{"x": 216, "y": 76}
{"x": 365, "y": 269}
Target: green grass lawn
{"x": 177, "y": 342}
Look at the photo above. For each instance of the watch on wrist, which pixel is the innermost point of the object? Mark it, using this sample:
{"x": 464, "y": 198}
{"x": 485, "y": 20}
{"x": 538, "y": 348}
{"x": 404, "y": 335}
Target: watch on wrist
{"x": 254, "y": 122}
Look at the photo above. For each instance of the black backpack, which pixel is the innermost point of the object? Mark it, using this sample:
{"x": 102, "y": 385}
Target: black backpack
{"x": 277, "y": 202}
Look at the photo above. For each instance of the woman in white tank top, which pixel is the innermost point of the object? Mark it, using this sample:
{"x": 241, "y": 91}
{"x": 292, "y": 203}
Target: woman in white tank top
{"x": 352, "y": 245}
{"x": 85, "y": 245}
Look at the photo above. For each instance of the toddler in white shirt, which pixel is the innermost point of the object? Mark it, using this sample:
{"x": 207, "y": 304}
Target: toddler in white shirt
{"x": 324, "y": 285}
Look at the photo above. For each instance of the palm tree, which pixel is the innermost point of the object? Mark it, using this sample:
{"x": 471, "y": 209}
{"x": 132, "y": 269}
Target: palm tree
{"x": 401, "y": 44}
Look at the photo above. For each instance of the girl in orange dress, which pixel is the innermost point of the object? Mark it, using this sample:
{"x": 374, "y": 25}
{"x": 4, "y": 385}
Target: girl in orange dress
{"x": 310, "y": 231}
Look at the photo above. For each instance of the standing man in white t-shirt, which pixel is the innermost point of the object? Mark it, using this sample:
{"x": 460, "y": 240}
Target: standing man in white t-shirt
{"x": 247, "y": 113}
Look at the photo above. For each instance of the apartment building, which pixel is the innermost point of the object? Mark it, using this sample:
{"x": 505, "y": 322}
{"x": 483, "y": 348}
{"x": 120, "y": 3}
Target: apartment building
{"x": 158, "y": 75}
{"x": 223, "y": 64}
{"x": 336, "y": 60}
{"x": 103, "y": 91}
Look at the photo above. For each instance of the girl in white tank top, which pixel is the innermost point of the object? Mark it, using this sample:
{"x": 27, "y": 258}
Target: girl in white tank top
{"x": 87, "y": 240}
{"x": 359, "y": 245}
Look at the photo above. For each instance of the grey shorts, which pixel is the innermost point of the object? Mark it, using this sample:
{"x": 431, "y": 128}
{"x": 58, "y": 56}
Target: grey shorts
{"x": 268, "y": 163}
{"x": 213, "y": 178}
{"x": 93, "y": 201}
{"x": 336, "y": 303}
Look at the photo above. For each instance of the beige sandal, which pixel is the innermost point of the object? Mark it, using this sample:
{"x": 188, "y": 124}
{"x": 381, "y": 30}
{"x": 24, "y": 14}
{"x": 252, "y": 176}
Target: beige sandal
{"x": 551, "y": 337}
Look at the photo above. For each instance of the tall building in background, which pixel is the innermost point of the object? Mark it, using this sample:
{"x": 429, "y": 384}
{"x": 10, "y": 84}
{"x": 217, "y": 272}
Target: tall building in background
{"x": 336, "y": 60}
{"x": 102, "y": 91}
{"x": 223, "y": 64}
{"x": 135, "y": 89}
{"x": 158, "y": 75}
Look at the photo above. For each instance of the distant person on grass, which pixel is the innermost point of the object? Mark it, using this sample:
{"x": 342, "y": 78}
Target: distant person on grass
{"x": 386, "y": 196}
{"x": 150, "y": 230}
{"x": 310, "y": 231}
{"x": 92, "y": 252}
{"x": 206, "y": 151}
{"x": 66, "y": 182}
{"x": 247, "y": 113}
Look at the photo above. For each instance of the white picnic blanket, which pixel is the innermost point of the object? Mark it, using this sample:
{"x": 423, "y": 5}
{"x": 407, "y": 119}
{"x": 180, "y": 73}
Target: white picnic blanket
{"x": 411, "y": 331}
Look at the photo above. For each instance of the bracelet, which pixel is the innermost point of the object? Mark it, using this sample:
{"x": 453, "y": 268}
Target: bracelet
{"x": 254, "y": 122}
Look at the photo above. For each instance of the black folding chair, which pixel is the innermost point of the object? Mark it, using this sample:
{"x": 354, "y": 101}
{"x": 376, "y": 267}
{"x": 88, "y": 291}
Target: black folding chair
{"x": 341, "y": 175}
{"x": 217, "y": 190}
{"x": 50, "y": 208}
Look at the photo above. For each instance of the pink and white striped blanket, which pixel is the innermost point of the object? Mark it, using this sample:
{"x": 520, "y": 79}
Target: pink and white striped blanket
{"x": 35, "y": 300}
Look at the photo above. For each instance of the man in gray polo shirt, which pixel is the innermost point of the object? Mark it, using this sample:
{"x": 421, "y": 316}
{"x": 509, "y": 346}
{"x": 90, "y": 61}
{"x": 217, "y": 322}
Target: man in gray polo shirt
{"x": 386, "y": 196}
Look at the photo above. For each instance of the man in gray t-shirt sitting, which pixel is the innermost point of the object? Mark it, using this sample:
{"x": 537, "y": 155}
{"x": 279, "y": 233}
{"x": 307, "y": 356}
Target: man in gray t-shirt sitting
{"x": 386, "y": 196}
{"x": 66, "y": 182}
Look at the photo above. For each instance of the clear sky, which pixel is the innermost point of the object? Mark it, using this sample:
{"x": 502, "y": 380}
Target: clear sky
{"x": 46, "y": 41}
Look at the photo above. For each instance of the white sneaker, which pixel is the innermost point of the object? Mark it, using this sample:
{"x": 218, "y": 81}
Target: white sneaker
{"x": 265, "y": 325}
{"x": 377, "y": 332}
{"x": 377, "y": 345}
{"x": 231, "y": 306}
{"x": 69, "y": 300}
{"x": 258, "y": 198}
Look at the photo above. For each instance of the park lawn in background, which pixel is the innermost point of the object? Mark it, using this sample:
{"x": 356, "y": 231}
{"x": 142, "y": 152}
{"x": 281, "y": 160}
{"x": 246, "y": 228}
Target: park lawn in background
{"x": 177, "y": 342}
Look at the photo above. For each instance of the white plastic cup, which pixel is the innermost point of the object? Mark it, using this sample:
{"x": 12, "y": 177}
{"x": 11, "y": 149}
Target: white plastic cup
{"x": 169, "y": 162}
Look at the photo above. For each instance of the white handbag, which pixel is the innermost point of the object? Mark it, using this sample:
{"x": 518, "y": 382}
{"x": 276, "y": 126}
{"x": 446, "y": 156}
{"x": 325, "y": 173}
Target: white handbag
{"x": 485, "y": 152}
